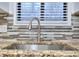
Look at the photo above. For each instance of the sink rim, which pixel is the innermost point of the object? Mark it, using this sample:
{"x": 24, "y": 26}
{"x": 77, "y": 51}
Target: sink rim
{"x": 59, "y": 47}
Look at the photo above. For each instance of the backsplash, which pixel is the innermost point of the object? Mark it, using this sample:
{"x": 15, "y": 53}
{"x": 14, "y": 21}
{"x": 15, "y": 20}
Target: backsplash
{"x": 47, "y": 32}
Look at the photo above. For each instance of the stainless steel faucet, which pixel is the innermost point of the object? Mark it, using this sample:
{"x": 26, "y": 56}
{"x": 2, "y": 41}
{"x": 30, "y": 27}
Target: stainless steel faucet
{"x": 30, "y": 26}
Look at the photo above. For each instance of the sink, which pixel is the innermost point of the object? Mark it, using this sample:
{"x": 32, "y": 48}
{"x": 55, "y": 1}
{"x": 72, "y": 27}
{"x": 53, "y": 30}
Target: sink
{"x": 37, "y": 47}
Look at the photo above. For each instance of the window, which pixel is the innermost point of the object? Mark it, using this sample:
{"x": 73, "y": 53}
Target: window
{"x": 26, "y": 11}
{"x": 49, "y": 13}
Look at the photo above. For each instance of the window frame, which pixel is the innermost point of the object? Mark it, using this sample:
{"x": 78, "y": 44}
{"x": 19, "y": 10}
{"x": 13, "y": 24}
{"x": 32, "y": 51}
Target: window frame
{"x": 43, "y": 23}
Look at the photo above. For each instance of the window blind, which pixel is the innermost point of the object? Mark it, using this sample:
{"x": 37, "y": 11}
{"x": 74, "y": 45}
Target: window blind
{"x": 53, "y": 11}
{"x": 49, "y": 13}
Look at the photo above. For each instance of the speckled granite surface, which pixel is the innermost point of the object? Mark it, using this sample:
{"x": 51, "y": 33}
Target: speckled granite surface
{"x": 50, "y": 53}
{"x": 42, "y": 53}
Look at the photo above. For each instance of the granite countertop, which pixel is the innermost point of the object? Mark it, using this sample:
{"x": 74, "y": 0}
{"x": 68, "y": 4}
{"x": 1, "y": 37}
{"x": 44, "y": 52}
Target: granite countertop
{"x": 5, "y": 43}
{"x": 45, "y": 53}
{"x": 3, "y": 16}
{"x": 76, "y": 13}
{"x": 67, "y": 43}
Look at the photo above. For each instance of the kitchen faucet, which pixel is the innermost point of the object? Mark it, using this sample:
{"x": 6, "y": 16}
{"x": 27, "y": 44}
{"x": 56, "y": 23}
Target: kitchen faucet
{"x": 30, "y": 26}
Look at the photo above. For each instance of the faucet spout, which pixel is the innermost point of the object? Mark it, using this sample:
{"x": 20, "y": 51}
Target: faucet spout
{"x": 30, "y": 26}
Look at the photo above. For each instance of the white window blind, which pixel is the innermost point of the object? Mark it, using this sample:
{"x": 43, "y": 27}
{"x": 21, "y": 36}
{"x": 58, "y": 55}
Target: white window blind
{"x": 47, "y": 12}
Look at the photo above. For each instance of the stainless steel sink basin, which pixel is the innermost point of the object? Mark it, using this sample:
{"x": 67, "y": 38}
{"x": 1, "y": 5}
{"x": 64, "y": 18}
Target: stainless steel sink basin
{"x": 37, "y": 47}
